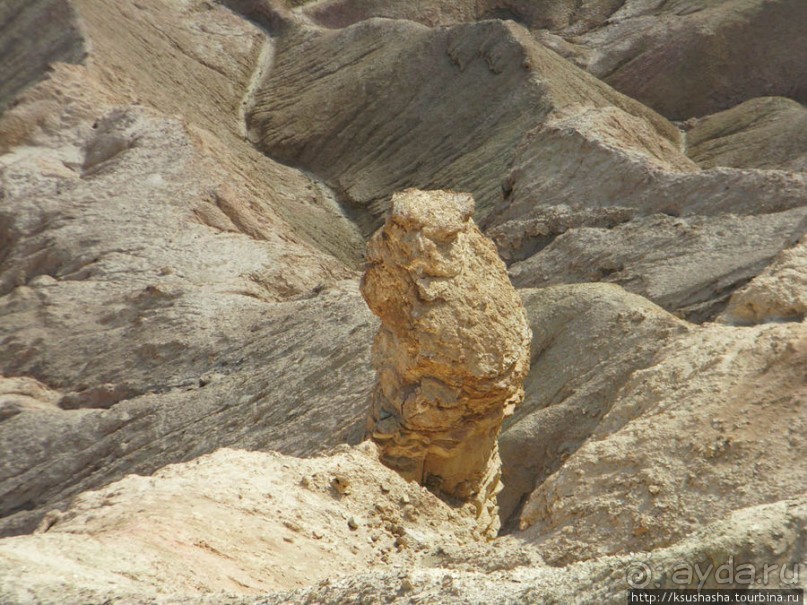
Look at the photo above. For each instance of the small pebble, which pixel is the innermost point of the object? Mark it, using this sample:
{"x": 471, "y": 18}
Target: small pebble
{"x": 341, "y": 484}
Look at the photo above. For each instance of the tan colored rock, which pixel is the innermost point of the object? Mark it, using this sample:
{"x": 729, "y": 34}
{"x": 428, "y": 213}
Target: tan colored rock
{"x": 144, "y": 244}
{"x": 715, "y": 424}
{"x": 246, "y": 523}
{"x": 452, "y": 351}
{"x": 601, "y": 157}
{"x": 27, "y": 57}
{"x": 768, "y": 133}
{"x": 779, "y": 293}
{"x": 766, "y": 537}
{"x": 23, "y": 394}
{"x": 385, "y": 105}
{"x": 683, "y": 58}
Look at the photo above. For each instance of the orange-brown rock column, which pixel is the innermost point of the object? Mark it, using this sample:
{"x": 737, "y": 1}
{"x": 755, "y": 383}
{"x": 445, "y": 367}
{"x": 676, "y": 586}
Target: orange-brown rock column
{"x": 452, "y": 351}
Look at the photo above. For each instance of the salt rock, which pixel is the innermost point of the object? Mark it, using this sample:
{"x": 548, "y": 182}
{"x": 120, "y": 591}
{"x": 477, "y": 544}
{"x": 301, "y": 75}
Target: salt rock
{"x": 452, "y": 351}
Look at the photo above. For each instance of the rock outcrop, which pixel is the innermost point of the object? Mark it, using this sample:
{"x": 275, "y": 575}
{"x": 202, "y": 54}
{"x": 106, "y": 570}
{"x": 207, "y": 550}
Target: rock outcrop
{"x": 712, "y": 426}
{"x": 779, "y": 293}
{"x": 683, "y": 58}
{"x": 247, "y": 522}
{"x": 648, "y": 50}
{"x": 24, "y": 394}
{"x": 542, "y": 145}
{"x": 768, "y": 133}
{"x": 688, "y": 265}
{"x": 384, "y": 105}
{"x": 452, "y": 351}
{"x": 259, "y": 528}
{"x": 167, "y": 289}
{"x": 144, "y": 244}
{"x": 588, "y": 339}
{"x": 770, "y": 534}
{"x": 27, "y": 57}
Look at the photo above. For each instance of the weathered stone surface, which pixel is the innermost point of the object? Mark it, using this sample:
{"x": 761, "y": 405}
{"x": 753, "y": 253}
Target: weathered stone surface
{"x": 779, "y": 293}
{"x": 712, "y": 426}
{"x": 577, "y": 181}
{"x": 588, "y": 339}
{"x": 769, "y": 133}
{"x": 563, "y": 152}
{"x": 688, "y": 265}
{"x": 384, "y": 105}
{"x": 518, "y": 239}
{"x": 246, "y": 523}
{"x": 753, "y": 536}
{"x": 691, "y": 58}
{"x": 683, "y": 58}
{"x": 293, "y": 377}
{"x": 198, "y": 60}
{"x": 256, "y": 528}
{"x": 166, "y": 290}
{"x": 141, "y": 254}
{"x": 558, "y": 14}
{"x": 342, "y": 13}
{"x": 598, "y": 158}
{"x": 452, "y": 351}
{"x": 24, "y": 394}
{"x": 34, "y": 34}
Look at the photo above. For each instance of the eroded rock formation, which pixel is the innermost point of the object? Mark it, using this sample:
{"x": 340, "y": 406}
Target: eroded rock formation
{"x": 452, "y": 351}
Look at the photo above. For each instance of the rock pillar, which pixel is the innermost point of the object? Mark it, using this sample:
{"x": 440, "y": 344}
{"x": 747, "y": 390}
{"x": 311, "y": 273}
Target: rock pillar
{"x": 452, "y": 351}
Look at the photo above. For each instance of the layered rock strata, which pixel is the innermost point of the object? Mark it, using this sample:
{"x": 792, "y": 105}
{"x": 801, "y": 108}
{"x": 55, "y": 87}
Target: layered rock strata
{"x": 452, "y": 351}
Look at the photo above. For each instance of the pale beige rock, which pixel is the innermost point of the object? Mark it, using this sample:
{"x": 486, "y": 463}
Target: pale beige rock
{"x": 166, "y": 290}
{"x": 683, "y": 58}
{"x": 588, "y": 339}
{"x": 779, "y": 293}
{"x": 27, "y": 57}
{"x": 144, "y": 244}
{"x": 602, "y": 157}
{"x": 232, "y": 522}
{"x": 757, "y": 538}
{"x": 22, "y": 394}
{"x": 341, "y": 13}
{"x": 452, "y": 351}
{"x": 715, "y": 424}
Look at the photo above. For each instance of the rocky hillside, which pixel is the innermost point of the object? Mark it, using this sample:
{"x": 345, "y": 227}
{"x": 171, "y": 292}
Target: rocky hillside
{"x": 187, "y": 189}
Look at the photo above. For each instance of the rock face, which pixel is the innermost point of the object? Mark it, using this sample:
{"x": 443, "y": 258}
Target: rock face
{"x": 768, "y": 133}
{"x": 25, "y": 56}
{"x": 452, "y": 351}
{"x": 384, "y": 105}
{"x": 689, "y": 439}
{"x": 688, "y": 265}
{"x": 588, "y": 339}
{"x": 148, "y": 542}
{"x": 772, "y": 533}
{"x": 647, "y": 48}
{"x": 23, "y": 394}
{"x": 259, "y": 528}
{"x": 779, "y": 293}
{"x": 143, "y": 245}
{"x": 167, "y": 289}
{"x": 683, "y": 58}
